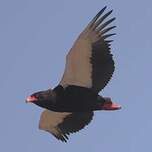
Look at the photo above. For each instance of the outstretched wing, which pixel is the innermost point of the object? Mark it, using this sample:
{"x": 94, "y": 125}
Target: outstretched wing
{"x": 62, "y": 124}
{"x": 89, "y": 63}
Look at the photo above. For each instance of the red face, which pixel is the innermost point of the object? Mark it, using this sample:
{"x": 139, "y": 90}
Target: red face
{"x": 31, "y": 99}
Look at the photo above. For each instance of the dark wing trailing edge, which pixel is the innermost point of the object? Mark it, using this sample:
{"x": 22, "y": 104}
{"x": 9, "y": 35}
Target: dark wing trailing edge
{"x": 62, "y": 124}
{"x": 75, "y": 122}
{"x": 89, "y": 63}
{"x": 101, "y": 59}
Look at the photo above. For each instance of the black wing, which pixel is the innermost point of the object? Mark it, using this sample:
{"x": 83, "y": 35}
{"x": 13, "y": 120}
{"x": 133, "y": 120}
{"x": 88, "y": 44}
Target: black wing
{"x": 62, "y": 124}
{"x": 89, "y": 63}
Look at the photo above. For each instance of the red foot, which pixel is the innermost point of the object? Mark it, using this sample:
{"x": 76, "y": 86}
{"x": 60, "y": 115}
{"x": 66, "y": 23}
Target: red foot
{"x": 109, "y": 105}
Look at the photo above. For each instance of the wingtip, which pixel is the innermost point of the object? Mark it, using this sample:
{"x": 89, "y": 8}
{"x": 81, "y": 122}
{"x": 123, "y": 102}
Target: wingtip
{"x": 108, "y": 35}
{"x": 104, "y": 7}
{"x": 101, "y": 11}
{"x": 110, "y": 12}
{"x": 114, "y": 18}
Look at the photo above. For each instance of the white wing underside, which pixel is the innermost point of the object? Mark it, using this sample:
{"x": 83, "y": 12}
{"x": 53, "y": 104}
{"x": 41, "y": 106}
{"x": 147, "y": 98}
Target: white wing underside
{"x": 78, "y": 67}
{"x": 50, "y": 120}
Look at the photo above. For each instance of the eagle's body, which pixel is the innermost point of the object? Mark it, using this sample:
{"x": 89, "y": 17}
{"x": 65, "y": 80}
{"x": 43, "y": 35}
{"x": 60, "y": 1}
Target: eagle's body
{"x": 73, "y": 99}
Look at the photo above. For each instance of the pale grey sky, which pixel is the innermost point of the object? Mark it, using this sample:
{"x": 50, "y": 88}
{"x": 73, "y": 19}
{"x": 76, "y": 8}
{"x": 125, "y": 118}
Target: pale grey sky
{"x": 36, "y": 35}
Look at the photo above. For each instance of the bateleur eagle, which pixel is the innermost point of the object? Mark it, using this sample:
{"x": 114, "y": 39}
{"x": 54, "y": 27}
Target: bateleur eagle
{"x": 89, "y": 67}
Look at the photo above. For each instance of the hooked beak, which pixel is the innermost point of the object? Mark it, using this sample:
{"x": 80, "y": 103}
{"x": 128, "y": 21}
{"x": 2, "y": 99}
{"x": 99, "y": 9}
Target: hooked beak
{"x": 30, "y": 99}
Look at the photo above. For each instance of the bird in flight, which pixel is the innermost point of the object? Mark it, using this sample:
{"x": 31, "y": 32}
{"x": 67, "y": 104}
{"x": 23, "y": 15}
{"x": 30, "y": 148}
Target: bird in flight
{"x": 89, "y": 66}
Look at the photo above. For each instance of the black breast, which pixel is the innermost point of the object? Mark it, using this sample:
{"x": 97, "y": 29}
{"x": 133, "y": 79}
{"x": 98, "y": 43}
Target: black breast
{"x": 75, "y": 98}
